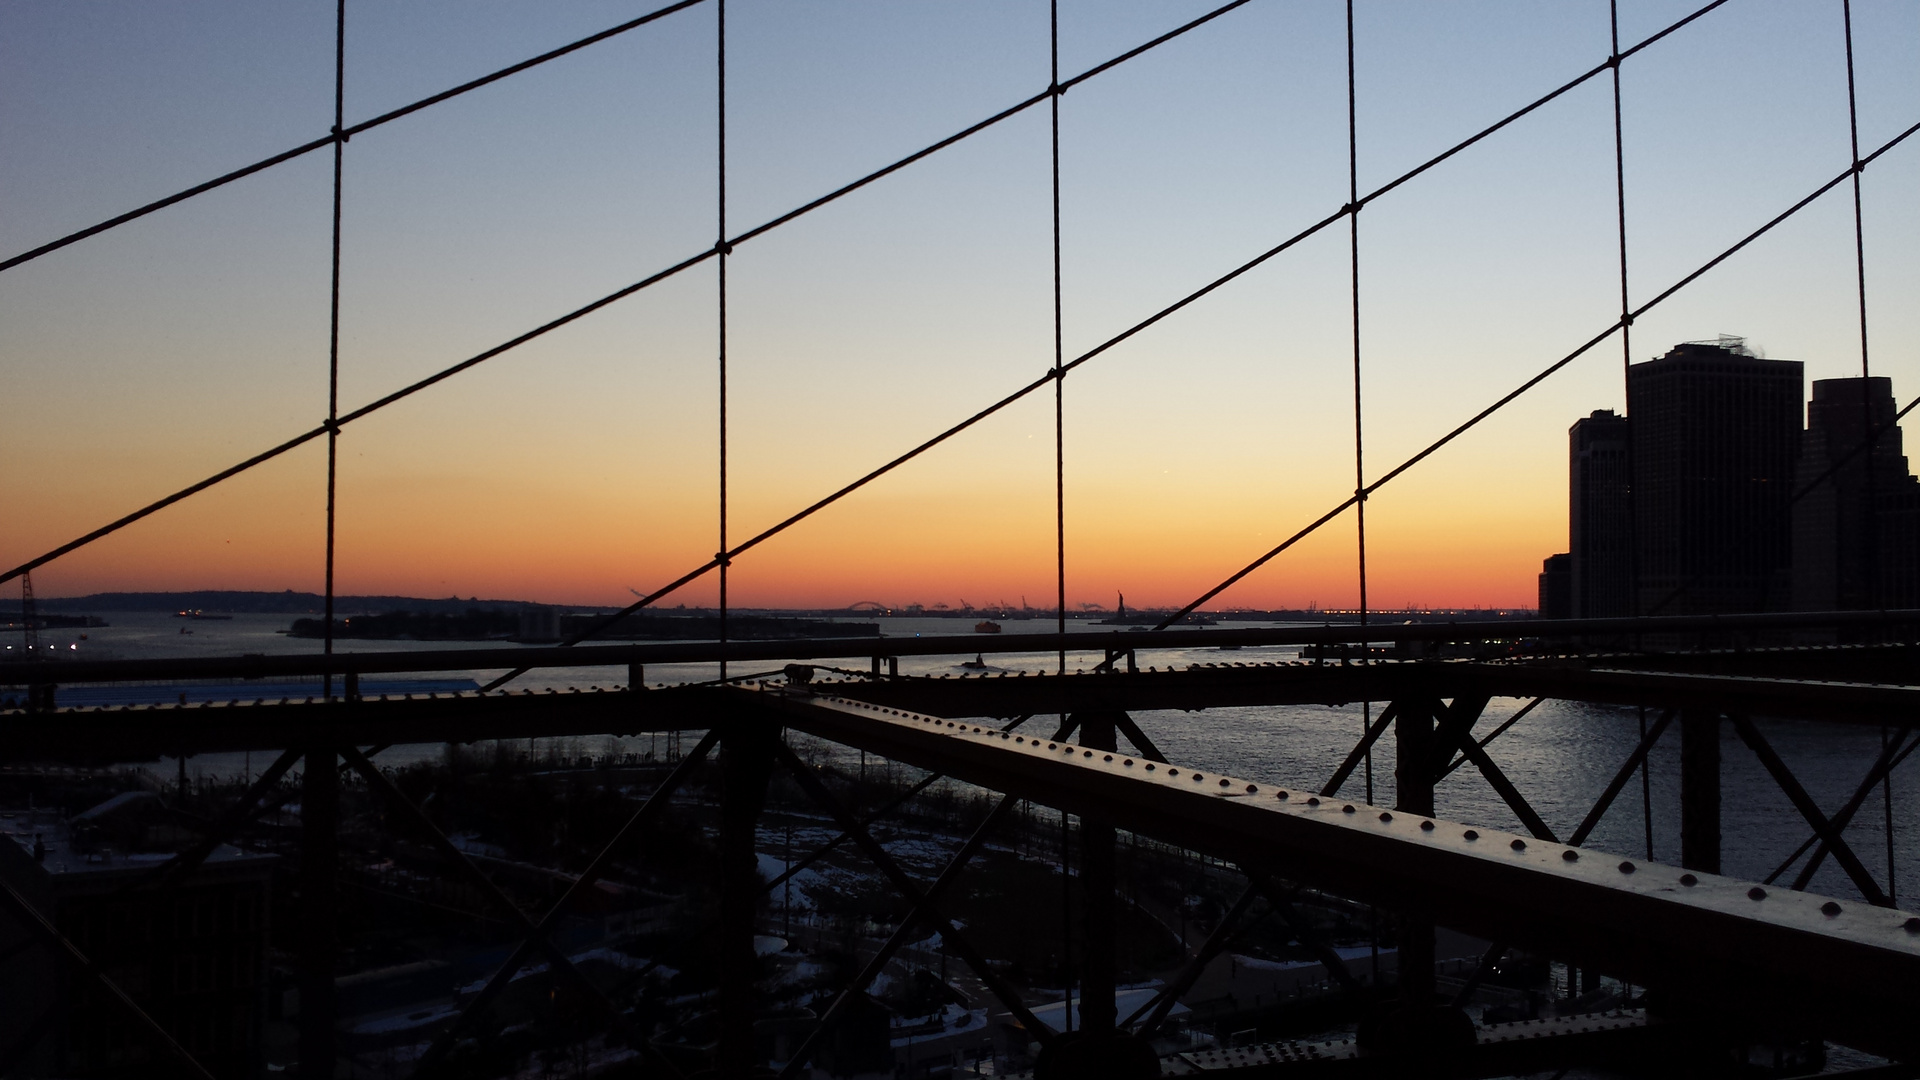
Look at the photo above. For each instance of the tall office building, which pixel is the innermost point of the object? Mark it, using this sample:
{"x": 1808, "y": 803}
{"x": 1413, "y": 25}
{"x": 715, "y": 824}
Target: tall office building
{"x": 1600, "y": 517}
{"x": 1854, "y": 529}
{"x": 1556, "y": 587}
{"x": 1716, "y": 439}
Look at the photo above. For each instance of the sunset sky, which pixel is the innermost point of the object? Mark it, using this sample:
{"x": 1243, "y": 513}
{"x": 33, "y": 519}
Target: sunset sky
{"x": 146, "y": 358}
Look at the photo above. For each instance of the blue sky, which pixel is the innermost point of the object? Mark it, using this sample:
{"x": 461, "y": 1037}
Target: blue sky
{"x": 172, "y": 347}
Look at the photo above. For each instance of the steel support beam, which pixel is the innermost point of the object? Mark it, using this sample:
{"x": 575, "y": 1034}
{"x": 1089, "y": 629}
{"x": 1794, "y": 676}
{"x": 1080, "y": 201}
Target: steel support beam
{"x": 1282, "y": 904}
{"x": 1828, "y": 833}
{"x": 537, "y": 936}
{"x": 1848, "y": 969}
{"x": 1518, "y": 715}
{"x": 915, "y": 895}
{"x": 133, "y": 732}
{"x": 1157, "y": 1007}
{"x": 1700, "y": 790}
{"x": 1488, "y": 961}
{"x": 1457, "y": 732}
{"x": 1620, "y": 779}
{"x": 244, "y": 809}
{"x": 319, "y": 899}
{"x": 901, "y": 934}
{"x": 1414, "y": 758}
{"x": 465, "y": 867}
{"x": 1360, "y": 750}
{"x": 37, "y": 924}
{"x": 1099, "y": 974}
{"x": 1138, "y": 737}
{"x": 840, "y": 838}
{"x": 1891, "y": 755}
{"x": 746, "y": 763}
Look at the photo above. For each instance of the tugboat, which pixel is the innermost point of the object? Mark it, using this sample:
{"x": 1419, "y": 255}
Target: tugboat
{"x": 986, "y": 626}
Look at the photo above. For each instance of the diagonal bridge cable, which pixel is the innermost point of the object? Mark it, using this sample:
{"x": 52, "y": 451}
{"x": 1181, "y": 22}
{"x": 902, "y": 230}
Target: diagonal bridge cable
{"x": 1037, "y": 384}
{"x": 340, "y": 134}
{"x": 1618, "y": 324}
{"x": 621, "y": 294}
{"x": 1010, "y": 399}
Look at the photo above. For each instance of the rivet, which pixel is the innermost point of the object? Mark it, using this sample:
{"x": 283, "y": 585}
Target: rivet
{"x": 1313, "y": 802}
{"x": 1518, "y": 844}
{"x": 1689, "y": 880}
{"x": 1626, "y": 867}
{"x": 1127, "y": 762}
{"x": 1106, "y": 757}
{"x": 1089, "y": 753}
{"x": 1173, "y": 772}
{"x": 1426, "y": 826}
{"x": 1756, "y": 893}
{"x": 1347, "y": 809}
{"x": 1281, "y": 795}
{"x": 1224, "y": 782}
{"x": 1020, "y": 738}
{"x": 1386, "y": 816}
{"x": 1150, "y": 766}
{"x": 1053, "y": 746}
{"x": 1570, "y": 855}
{"x": 1470, "y": 835}
{"x": 1004, "y": 735}
{"x": 1913, "y": 925}
{"x": 1829, "y": 909}
{"x": 1197, "y": 778}
{"x": 1251, "y": 788}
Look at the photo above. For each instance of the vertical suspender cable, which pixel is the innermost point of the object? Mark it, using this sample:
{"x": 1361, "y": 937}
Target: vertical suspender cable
{"x": 1626, "y": 365}
{"x": 1060, "y": 502}
{"x": 1860, "y": 267}
{"x": 1059, "y": 373}
{"x": 1359, "y": 443}
{"x": 1066, "y": 917}
{"x": 722, "y": 250}
{"x": 1870, "y": 542}
{"x": 333, "y": 317}
{"x": 1872, "y": 539}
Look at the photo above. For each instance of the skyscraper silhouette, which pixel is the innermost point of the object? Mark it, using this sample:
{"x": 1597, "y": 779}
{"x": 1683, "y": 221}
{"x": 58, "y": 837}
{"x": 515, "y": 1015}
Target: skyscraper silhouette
{"x": 1716, "y": 439}
{"x": 1600, "y": 517}
{"x": 1854, "y": 529}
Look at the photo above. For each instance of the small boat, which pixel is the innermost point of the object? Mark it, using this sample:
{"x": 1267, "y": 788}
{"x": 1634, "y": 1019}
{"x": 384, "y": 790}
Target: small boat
{"x": 986, "y": 626}
{"x": 978, "y": 663}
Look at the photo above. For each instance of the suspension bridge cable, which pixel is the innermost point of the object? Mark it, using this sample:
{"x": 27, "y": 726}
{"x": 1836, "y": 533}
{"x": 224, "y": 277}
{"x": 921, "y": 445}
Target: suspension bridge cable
{"x": 1017, "y": 395}
{"x": 340, "y": 134}
{"x": 1359, "y": 439}
{"x": 1060, "y": 509}
{"x": 613, "y": 297}
{"x": 1860, "y": 270}
{"x": 1059, "y": 374}
{"x": 1866, "y": 406}
{"x": 333, "y": 319}
{"x": 722, "y": 248}
{"x": 1626, "y": 384}
{"x": 1550, "y": 369}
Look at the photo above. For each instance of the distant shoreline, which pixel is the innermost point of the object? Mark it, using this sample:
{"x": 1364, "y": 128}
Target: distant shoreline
{"x": 290, "y": 602}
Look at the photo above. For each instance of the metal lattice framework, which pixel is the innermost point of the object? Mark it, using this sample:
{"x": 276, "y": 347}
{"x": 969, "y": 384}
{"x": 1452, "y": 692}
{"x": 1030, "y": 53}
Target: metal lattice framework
{"x": 1850, "y": 970}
